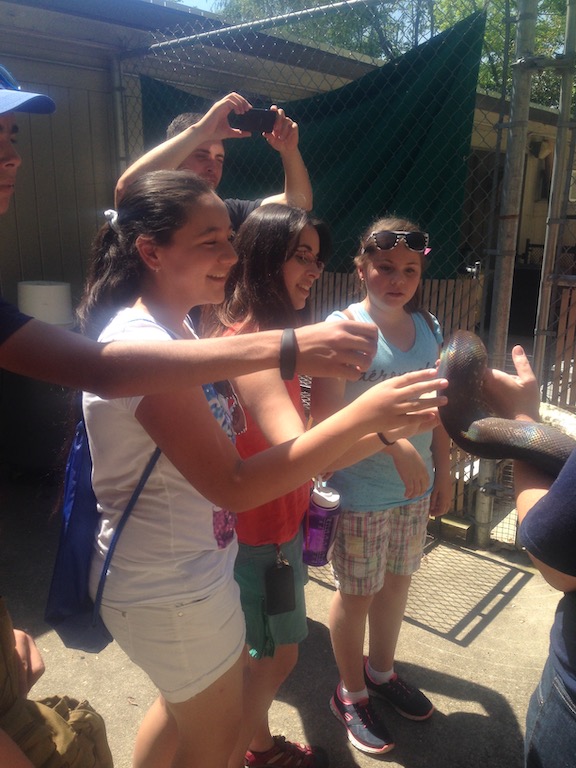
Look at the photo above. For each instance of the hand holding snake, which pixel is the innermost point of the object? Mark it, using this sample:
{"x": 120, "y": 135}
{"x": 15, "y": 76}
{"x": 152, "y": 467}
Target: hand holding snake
{"x": 493, "y": 415}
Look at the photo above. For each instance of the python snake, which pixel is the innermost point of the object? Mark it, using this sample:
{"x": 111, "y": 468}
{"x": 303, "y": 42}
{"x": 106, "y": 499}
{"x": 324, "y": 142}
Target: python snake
{"x": 476, "y": 428}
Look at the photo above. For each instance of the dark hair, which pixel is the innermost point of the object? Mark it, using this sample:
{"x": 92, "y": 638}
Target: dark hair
{"x": 157, "y": 204}
{"x": 394, "y": 224}
{"x": 256, "y": 293}
{"x": 181, "y": 122}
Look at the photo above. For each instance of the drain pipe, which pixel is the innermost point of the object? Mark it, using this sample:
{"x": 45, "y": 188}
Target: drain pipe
{"x": 119, "y": 115}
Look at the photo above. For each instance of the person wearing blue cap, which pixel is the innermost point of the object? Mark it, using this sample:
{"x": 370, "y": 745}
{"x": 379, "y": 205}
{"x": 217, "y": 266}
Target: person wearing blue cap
{"x": 58, "y": 731}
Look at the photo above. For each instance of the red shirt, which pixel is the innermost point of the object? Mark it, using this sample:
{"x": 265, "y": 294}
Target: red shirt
{"x": 277, "y": 521}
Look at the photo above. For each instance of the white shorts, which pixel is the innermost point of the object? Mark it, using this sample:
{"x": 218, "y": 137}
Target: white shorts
{"x": 183, "y": 647}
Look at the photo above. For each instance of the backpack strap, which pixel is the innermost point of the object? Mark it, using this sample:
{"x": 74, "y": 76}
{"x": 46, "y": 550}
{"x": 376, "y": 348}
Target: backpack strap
{"x": 123, "y": 520}
{"x": 428, "y": 317}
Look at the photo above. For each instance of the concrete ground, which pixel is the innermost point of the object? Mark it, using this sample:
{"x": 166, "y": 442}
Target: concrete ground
{"x": 474, "y": 639}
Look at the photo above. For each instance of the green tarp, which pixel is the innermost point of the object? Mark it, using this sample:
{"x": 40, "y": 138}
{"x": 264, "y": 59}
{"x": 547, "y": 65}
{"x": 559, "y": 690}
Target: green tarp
{"x": 396, "y": 140}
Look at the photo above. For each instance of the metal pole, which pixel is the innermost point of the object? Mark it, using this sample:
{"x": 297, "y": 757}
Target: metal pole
{"x": 254, "y": 26}
{"x": 484, "y": 504}
{"x": 119, "y": 114}
{"x": 508, "y": 234}
{"x": 490, "y": 237}
{"x": 558, "y": 189}
{"x": 512, "y": 183}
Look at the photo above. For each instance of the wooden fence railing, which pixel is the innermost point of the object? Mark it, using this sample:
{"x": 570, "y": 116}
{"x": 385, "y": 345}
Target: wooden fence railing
{"x": 561, "y": 390}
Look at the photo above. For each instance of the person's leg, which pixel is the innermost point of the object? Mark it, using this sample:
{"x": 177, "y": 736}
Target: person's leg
{"x": 385, "y": 620}
{"x": 194, "y": 652}
{"x": 359, "y": 566}
{"x": 157, "y": 738}
{"x": 262, "y": 678}
{"x": 405, "y": 547}
{"x": 273, "y": 649}
{"x": 550, "y": 740}
{"x": 347, "y": 623}
{"x": 407, "y": 534}
{"x": 208, "y": 724}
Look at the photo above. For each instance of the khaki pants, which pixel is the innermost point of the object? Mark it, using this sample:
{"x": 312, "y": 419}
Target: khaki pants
{"x": 58, "y": 732}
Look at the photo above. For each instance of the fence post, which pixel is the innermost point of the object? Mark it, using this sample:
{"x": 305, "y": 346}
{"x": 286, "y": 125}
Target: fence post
{"x": 508, "y": 232}
{"x": 559, "y": 187}
{"x": 484, "y": 503}
{"x": 512, "y": 182}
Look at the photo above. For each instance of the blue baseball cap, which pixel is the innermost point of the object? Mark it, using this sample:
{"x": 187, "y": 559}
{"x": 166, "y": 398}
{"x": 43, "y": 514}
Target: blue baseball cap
{"x": 14, "y": 99}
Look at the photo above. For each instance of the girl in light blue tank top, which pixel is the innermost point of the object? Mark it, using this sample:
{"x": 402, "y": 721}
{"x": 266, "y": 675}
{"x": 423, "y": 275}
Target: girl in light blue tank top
{"x": 387, "y": 497}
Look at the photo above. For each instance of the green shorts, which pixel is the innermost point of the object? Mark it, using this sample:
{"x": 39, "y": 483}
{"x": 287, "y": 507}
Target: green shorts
{"x": 263, "y": 632}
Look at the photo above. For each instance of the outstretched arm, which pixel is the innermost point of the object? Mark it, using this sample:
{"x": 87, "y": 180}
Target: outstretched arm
{"x": 212, "y": 465}
{"x": 328, "y": 397}
{"x": 119, "y": 369}
{"x": 297, "y": 188}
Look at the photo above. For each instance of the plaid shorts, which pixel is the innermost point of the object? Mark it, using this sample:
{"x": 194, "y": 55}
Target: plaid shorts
{"x": 370, "y": 544}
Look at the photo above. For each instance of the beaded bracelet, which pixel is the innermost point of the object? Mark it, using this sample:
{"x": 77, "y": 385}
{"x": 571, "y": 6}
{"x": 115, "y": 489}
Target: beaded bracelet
{"x": 385, "y": 440}
{"x": 288, "y": 348}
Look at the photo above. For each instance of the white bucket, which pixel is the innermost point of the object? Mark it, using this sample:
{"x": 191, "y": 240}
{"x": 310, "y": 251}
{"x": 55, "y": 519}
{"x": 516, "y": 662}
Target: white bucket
{"x": 46, "y": 300}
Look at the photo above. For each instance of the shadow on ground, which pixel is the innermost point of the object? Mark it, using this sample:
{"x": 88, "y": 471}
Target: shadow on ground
{"x": 475, "y": 639}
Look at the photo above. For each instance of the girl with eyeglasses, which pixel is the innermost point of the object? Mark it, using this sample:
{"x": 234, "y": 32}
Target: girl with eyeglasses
{"x": 170, "y": 599}
{"x": 386, "y": 498}
{"x": 281, "y": 252}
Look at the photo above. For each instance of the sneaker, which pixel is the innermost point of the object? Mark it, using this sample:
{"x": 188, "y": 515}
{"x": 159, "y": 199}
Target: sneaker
{"x": 405, "y": 698}
{"x": 286, "y": 754}
{"x": 364, "y": 728}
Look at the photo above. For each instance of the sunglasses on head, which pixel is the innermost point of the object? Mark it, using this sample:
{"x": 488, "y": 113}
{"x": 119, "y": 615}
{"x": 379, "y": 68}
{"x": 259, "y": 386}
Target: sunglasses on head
{"x": 387, "y": 239}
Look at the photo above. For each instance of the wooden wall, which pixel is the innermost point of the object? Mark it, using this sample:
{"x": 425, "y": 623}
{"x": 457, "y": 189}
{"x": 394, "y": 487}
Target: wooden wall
{"x": 66, "y": 179}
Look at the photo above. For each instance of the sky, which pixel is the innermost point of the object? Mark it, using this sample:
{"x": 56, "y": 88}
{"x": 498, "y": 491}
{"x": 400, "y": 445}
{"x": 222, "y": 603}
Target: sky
{"x": 204, "y": 5}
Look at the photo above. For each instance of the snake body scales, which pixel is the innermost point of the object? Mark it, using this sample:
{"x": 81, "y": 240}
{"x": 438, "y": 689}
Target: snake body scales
{"x": 474, "y": 427}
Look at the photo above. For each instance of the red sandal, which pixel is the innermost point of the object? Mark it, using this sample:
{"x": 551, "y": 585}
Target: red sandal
{"x": 286, "y": 754}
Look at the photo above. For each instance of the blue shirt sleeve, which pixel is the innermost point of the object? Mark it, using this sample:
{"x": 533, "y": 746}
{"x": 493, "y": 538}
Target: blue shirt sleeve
{"x": 11, "y": 320}
{"x": 549, "y": 529}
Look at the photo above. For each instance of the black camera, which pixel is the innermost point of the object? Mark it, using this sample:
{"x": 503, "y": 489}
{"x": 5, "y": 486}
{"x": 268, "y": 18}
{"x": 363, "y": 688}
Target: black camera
{"x": 255, "y": 120}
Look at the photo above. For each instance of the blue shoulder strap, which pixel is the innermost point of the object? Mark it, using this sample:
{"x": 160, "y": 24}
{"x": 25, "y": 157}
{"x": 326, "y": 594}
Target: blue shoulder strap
{"x": 123, "y": 520}
{"x": 125, "y": 515}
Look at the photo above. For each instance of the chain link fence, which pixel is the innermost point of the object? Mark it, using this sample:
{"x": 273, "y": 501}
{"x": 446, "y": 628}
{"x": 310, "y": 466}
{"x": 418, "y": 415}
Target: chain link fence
{"x": 402, "y": 107}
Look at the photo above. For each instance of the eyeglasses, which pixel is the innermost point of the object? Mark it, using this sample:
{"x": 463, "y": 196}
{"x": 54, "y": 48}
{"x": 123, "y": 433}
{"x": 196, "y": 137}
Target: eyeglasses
{"x": 309, "y": 263}
{"x": 7, "y": 81}
{"x": 386, "y": 240}
{"x": 226, "y": 390}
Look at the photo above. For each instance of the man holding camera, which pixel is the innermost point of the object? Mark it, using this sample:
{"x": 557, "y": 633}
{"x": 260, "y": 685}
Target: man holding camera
{"x": 195, "y": 142}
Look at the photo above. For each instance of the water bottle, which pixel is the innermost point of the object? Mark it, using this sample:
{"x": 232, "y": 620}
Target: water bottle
{"x": 320, "y": 526}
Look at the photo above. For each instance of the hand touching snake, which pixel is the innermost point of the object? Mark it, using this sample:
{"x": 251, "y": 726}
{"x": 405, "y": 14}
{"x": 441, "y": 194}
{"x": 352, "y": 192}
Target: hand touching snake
{"x": 496, "y": 416}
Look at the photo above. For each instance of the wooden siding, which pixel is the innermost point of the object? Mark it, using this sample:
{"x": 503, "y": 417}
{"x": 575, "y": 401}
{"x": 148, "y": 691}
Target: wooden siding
{"x": 66, "y": 179}
{"x": 561, "y": 390}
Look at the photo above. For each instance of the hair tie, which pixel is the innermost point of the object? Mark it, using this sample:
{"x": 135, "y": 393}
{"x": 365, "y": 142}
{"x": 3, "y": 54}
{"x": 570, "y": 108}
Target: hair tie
{"x": 384, "y": 439}
{"x": 112, "y": 218}
{"x": 288, "y": 349}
